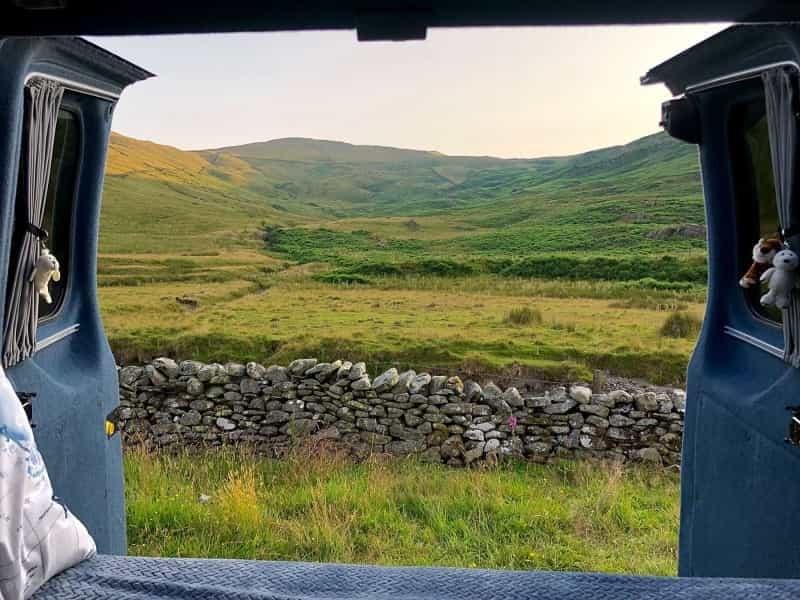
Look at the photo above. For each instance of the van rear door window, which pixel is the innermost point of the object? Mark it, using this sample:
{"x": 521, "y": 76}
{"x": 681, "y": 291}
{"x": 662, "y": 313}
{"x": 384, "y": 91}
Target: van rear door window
{"x": 756, "y": 207}
{"x": 60, "y": 204}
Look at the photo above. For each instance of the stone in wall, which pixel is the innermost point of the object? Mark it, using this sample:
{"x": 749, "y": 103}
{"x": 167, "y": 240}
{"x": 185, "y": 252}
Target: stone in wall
{"x": 171, "y": 404}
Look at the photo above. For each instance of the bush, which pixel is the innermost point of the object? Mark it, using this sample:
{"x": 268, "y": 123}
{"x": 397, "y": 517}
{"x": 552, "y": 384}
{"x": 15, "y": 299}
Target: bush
{"x": 271, "y": 235}
{"x": 429, "y": 266}
{"x": 524, "y": 316}
{"x": 650, "y": 283}
{"x": 665, "y": 272}
{"x": 362, "y": 271}
{"x": 374, "y": 269}
{"x": 342, "y": 277}
{"x": 680, "y": 325}
{"x": 650, "y": 303}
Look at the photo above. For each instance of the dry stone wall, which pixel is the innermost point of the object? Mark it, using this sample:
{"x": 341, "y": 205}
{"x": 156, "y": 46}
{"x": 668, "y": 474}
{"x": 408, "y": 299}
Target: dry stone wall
{"x": 173, "y": 404}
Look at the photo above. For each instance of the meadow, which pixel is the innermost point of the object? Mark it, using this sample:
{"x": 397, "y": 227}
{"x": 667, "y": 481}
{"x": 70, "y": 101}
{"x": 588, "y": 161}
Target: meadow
{"x": 297, "y": 247}
{"x": 315, "y": 506}
{"x": 248, "y": 306}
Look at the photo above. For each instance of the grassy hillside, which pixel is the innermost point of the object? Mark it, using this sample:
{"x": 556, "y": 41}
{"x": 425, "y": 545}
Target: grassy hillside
{"x": 606, "y": 200}
{"x": 301, "y": 246}
{"x": 409, "y": 205}
{"x": 342, "y": 180}
{"x": 160, "y": 199}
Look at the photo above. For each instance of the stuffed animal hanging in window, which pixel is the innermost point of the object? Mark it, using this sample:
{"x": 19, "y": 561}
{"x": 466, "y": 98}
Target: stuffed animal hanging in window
{"x": 775, "y": 264}
{"x": 45, "y": 268}
{"x": 781, "y": 278}
{"x": 763, "y": 253}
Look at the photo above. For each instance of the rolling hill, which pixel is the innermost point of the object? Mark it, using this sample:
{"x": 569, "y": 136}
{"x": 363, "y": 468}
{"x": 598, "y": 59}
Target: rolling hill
{"x": 607, "y": 198}
{"x": 339, "y": 202}
{"x": 340, "y": 178}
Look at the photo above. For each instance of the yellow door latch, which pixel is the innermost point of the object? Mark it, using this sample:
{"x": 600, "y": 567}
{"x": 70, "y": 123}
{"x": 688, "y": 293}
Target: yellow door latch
{"x": 111, "y": 423}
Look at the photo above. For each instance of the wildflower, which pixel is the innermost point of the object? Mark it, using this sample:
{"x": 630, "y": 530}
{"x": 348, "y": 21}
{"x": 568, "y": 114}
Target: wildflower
{"x": 512, "y": 422}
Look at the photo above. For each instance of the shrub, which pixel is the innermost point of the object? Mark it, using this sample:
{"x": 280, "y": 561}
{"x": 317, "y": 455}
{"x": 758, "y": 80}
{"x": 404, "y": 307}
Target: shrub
{"x": 440, "y": 267}
{"x": 524, "y": 315}
{"x": 649, "y": 271}
{"x": 342, "y": 277}
{"x": 558, "y": 326}
{"x": 375, "y": 269}
{"x": 680, "y": 325}
{"x": 429, "y": 266}
{"x": 649, "y": 303}
{"x": 271, "y": 235}
{"x": 650, "y": 283}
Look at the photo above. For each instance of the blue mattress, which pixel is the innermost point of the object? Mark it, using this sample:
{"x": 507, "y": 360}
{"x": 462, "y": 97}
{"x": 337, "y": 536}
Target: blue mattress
{"x": 127, "y": 578}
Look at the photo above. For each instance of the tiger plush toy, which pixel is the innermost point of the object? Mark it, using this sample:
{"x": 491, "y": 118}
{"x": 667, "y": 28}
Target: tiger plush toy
{"x": 763, "y": 253}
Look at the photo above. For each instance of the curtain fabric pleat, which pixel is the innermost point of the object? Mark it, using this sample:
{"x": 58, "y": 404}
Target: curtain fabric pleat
{"x": 779, "y": 91}
{"x": 22, "y": 312}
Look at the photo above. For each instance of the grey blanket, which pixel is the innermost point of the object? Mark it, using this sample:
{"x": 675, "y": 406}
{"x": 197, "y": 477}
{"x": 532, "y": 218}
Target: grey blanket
{"x": 127, "y": 578}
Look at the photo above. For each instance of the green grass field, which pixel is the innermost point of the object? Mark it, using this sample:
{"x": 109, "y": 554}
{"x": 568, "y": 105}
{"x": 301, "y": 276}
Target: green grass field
{"x": 246, "y": 311}
{"x": 406, "y": 258}
{"x": 315, "y": 506}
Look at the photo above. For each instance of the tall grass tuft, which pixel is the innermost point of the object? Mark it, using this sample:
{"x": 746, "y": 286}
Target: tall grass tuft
{"x": 523, "y": 315}
{"x": 680, "y": 325}
{"x": 238, "y": 498}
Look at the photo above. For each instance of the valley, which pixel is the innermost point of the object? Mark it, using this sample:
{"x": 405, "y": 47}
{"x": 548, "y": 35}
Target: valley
{"x": 403, "y": 257}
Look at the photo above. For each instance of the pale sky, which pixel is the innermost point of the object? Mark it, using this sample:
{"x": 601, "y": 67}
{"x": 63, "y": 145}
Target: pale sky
{"x": 503, "y": 92}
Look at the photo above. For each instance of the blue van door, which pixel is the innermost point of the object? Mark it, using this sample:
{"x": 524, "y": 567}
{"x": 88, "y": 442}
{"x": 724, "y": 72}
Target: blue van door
{"x": 741, "y": 479}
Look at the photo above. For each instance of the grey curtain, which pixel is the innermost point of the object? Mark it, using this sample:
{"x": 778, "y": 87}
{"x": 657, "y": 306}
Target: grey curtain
{"x": 22, "y": 312}
{"x": 781, "y": 101}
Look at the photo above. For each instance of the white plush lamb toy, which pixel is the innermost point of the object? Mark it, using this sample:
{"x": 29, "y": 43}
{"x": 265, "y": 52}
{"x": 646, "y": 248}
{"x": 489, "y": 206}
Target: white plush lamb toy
{"x": 46, "y": 267}
{"x": 781, "y": 278}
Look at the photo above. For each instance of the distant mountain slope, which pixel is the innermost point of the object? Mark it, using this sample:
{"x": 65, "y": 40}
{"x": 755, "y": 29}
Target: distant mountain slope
{"x": 307, "y": 150}
{"x": 336, "y": 179}
{"x": 221, "y": 193}
{"x": 344, "y": 180}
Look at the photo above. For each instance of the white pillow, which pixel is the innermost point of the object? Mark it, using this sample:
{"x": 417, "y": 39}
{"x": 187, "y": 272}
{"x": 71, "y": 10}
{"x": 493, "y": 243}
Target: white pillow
{"x": 39, "y": 537}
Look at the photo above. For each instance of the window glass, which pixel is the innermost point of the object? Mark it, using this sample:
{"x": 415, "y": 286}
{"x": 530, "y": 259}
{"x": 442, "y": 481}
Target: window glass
{"x": 757, "y": 209}
{"x": 757, "y": 140}
{"x": 60, "y": 201}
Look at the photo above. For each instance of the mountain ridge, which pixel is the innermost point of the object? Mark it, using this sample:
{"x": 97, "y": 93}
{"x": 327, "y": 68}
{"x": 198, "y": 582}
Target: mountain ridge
{"x": 432, "y": 153}
{"x": 650, "y": 182}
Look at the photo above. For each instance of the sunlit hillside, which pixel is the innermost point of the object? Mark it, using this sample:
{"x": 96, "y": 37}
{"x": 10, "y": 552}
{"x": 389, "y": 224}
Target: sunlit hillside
{"x": 160, "y": 199}
{"x": 131, "y": 157}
